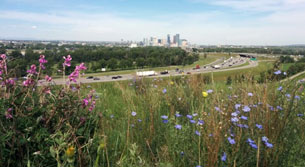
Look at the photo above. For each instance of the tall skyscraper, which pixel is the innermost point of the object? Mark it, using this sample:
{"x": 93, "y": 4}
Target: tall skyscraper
{"x": 168, "y": 39}
{"x": 178, "y": 39}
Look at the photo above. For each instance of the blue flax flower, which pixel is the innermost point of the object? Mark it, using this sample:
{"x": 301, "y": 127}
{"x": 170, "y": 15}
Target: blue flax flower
{"x": 269, "y": 145}
{"x": 189, "y": 116}
{"x": 210, "y": 91}
{"x": 234, "y": 114}
{"x": 246, "y": 109}
{"x": 250, "y": 94}
{"x": 279, "y": 107}
{"x": 280, "y": 88}
{"x": 133, "y": 113}
{"x": 192, "y": 121}
{"x": 178, "y": 127}
{"x": 237, "y": 106}
{"x": 278, "y": 72}
{"x": 165, "y": 121}
{"x": 200, "y": 122}
{"x": 234, "y": 119}
{"x": 224, "y": 157}
{"x": 259, "y": 126}
{"x": 217, "y": 108}
{"x": 244, "y": 117}
{"x": 197, "y": 133}
{"x": 164, "y": 90}
{"x": 178, "y": 115}
{"x": 231, "y": 140}
{"x": 164, "y": 117}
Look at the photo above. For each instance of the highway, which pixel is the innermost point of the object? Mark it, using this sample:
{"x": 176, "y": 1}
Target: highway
{"x": 224, "y": 65}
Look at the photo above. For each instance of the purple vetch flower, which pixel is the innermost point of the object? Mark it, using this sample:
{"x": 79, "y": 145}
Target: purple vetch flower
{"x": 259, "y": 126}
{"x": 300, "y": 115}
{"x": 224, "y": 157}
{"x": 231, "y": 140}
{"x": 164, "y": 117}
{"x": 178, "y": 127}
{"x": 164, "y": 90}
{"x": 234, "y": 119}
{"x": 278, "y": 72}
{"x": 197, "y": 133}
{"x": 246, "y": 109}
{"x": 244, "y": 117}
{"x": 8, "y": 113}
{"x": 189, "y": 116}
{"x": 133, "y": 113}
{"x": 250, "y": 94}
{"x": 192, "y": 121}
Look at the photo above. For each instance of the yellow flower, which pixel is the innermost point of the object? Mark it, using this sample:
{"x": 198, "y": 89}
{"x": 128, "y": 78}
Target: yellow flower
{"x": 303, "y": 94}
{"x": 204, "y": 94}
{"x": 70, "y": 151}
{"x": 172, "y": 83}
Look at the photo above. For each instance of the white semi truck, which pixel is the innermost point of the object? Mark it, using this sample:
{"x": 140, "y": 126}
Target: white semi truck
{"x": 146, "y": 73}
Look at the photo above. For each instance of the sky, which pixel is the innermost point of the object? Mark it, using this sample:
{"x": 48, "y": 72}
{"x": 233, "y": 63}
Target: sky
{"x": 205, "y": 22}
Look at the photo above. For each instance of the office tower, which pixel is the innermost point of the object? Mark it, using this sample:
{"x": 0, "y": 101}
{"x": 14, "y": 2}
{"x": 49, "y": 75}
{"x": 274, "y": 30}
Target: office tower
{"x": 168, "y": 39}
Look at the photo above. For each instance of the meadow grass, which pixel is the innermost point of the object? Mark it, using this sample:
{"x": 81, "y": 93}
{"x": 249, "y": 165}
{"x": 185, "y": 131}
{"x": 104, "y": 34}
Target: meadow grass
{"x": 168, "y": 122}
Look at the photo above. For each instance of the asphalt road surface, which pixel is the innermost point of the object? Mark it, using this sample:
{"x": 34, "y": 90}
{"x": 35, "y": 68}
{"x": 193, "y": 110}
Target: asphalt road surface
{"x": 225, "y": 65}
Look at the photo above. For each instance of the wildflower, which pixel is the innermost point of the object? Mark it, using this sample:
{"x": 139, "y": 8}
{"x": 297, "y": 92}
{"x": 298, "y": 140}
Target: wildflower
{"x": 259, "y": 126}
{"x": 8, "y": 113}
{"x": 172, "y": 83}
{"x": 133, "y": 113}
{"x": 204, "y": 94}
{"x": 48, "y": 78}
{"x": 178, "y": 127}
{"x": 32, "y": 70}
{"x": 28, "y": 82}
{"x": 300, "y": 115}
{"x": 297, "y": 97}
{"x": 279, "y": 107}
{"x": 165, "y": 121}
{"x": 288, "y": 95}
{"x": 197, "y": 133}
{"x": 250, "y": 94}
{"x": 189, "y": 116}
{"x": 224, "y": 157}
{"x": 210, "y": 91}
{"x": 252, "y": 143}
{"x": 269, "y": 145}
{"x": 178, "y": 115}
{"x": 192, "y": 121}
{"x": 67, "y": 61}
{"x": 285, "y": 73}
{"x": 244, "y": 117}
{"x": 246, "y": 126}
{"x": 42, "y": 61}
{"x": 278, "y": 72}
{"x": 237, "y": 106}
{"x": 111, "y": 116}
{"x": 246, "y": 109}
{"x": 280, "y": 88}
{"x": 231, "y": 140}
{"x": 164, "y": 90}
{"x": 182, "y": 153}
{"x": 195, "y": 114}
{"x": 217, "y": 108}
{"x": 85, "y": 102}
{"x": 234, "y": 119}
{"x": 139, "y": 120}
{"x": 200, "y": 122}
{"x": 234, "y": 114}
{"x": 70, "y": 151}
{"x": 92, "y": 106}
{"x": 164, "y": 117}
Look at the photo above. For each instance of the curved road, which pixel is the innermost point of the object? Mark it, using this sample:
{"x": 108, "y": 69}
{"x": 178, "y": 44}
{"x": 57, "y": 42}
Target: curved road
{"x": 227, "y": 65}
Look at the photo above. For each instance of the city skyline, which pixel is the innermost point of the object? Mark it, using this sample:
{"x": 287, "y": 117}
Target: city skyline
{"x": 203, "y": 22}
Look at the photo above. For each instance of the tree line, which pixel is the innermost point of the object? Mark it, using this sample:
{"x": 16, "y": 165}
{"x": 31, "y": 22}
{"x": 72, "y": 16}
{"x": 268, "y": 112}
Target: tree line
{"x": 112, "y": 58}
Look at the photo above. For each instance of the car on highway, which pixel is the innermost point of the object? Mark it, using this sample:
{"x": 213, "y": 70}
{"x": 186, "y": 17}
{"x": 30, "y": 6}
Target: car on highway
{"x": 114, "y": 77}
{"x": 96, "y": 79}
{"x": 90, "y": 77}
{"x": 164, "y": 72}
{"x": 119, "y": 76}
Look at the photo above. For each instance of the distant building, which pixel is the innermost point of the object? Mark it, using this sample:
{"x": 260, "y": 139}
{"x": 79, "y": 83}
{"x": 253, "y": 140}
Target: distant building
{"x": 168, "y": 39}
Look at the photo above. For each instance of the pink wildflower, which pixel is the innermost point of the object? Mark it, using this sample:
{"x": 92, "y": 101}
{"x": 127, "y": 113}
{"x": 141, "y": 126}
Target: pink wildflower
{"x": 32, "y": 70}
{"x": 28, "y": 82}
{"x": 48, "y": 78}
{"x": 8, "y": 113}
{"x": 92, "y": 106}
{"x": 10, "y": 82}
{"x": 42, "y": 61}
{"x": 67, "y": 61}
{"x": 75, "y": 74}
{"x": 85, "y": 102}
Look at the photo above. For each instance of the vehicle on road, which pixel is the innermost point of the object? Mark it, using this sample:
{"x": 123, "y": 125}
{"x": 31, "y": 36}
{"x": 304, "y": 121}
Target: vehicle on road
{"x": 146, "y": 73}
{"x": 96, "y": 78}
{"x": 114, "y": 77}
{"x": 119, "y": 76}
{"x": 90, "y": 77}
{"x": 164, "y": 72}
{"x": 188, "y": 73}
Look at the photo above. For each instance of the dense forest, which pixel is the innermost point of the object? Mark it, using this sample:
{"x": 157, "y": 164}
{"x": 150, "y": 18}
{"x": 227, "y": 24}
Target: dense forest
{"x": 112, "y": 58}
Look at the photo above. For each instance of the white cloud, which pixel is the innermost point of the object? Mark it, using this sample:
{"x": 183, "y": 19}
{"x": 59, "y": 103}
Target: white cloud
{"x": 34, "y": 27}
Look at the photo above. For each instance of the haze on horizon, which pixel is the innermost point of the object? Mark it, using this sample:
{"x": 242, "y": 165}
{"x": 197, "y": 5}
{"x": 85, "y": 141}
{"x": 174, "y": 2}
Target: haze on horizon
{"x": 209, "y": 22}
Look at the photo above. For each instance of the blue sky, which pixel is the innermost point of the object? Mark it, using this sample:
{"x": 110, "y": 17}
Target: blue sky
{"x": 210, "y": 22}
